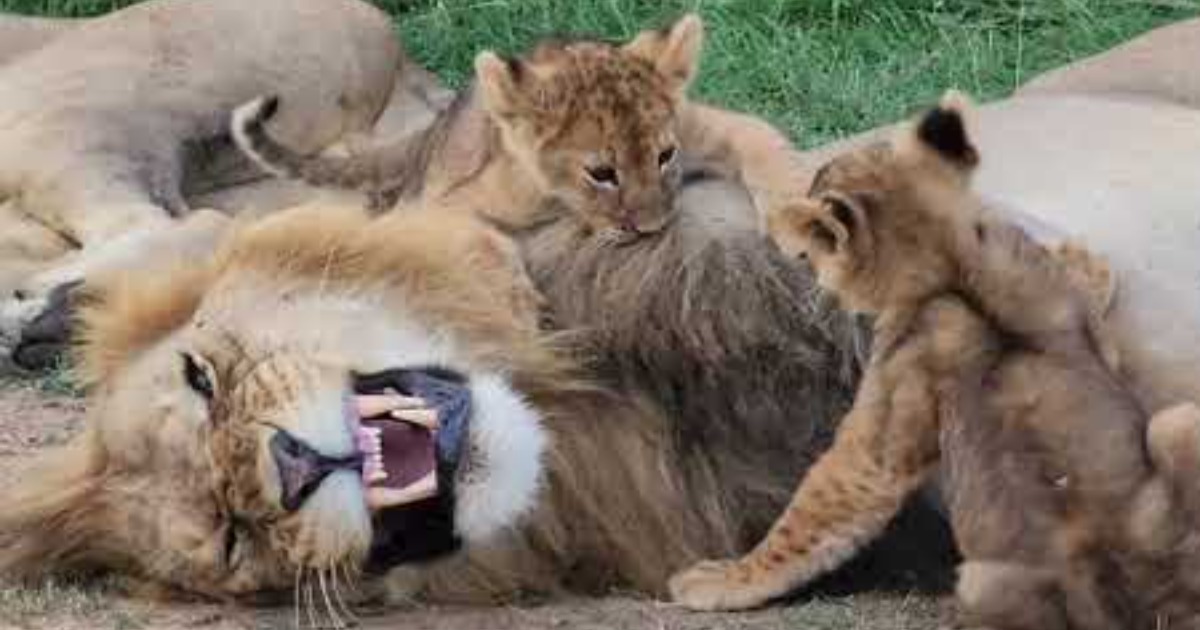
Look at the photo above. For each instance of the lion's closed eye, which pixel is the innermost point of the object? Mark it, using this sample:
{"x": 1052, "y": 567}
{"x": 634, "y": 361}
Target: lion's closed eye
{"x": 235, "y": 543}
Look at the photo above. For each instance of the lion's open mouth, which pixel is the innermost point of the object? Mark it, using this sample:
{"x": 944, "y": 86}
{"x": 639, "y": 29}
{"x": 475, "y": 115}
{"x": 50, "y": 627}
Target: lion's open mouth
{"x": 400, "y": 465}
{"x": 413, "y": 500}
{"x": 405, "y": 461}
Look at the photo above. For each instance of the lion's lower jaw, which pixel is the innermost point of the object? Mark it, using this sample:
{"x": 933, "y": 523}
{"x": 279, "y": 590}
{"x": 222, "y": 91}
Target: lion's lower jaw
{"x": 336, "y": 526}
{"x": 502, "y": 472}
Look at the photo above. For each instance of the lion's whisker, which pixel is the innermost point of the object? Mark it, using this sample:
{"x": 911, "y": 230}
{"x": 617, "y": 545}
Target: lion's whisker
{"x": 296, "y": 597}
{"x": 310, "y": 604}
{"x": 334, "y": 617}
{"x": 340, "y": 598}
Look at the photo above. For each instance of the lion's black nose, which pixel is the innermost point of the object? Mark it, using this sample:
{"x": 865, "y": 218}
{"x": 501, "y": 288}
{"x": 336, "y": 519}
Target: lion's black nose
{"x": 302, "y": 468}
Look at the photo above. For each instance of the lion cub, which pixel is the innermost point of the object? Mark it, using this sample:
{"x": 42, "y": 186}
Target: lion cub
{"x": 987, "y": 360}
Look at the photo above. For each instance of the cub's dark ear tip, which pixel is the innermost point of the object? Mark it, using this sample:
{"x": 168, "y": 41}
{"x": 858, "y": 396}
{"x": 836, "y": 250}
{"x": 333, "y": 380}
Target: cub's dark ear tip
{"x": 944, "y": 130}
{"x": 270, "y": 107}
{"x": 514, "y": 66}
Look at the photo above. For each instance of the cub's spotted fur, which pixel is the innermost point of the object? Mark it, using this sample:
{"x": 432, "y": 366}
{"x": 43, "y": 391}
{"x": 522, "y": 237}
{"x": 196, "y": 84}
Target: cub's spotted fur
{"x": 989, "y": 361}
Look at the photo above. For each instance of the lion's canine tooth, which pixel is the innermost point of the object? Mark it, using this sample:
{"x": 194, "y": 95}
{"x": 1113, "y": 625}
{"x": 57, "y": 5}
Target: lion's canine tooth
{"x": 371, "y": 405}
{"x": 427, "y": 418}
{"x": 380, "y": 497}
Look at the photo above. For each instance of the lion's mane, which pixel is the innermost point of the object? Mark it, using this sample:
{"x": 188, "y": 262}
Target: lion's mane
{"x": 722, "y": 372}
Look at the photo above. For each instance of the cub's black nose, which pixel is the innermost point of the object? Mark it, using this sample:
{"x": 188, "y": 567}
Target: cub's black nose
{"x": 302, "y": 468}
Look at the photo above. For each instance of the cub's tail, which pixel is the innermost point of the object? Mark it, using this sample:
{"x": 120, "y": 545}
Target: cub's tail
{"x": 377, "y": 172}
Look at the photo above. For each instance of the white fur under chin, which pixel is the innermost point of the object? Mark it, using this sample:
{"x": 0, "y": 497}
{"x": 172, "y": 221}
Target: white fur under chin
{"x": 337, "y": 523}
{"x": 507, "y": 442}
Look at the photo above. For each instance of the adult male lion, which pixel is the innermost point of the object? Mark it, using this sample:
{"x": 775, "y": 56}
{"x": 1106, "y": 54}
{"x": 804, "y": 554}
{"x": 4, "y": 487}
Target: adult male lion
{"x": 200, "y": 416}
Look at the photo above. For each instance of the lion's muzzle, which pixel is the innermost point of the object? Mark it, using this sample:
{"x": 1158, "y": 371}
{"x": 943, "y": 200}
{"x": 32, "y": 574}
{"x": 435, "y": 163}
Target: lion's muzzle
{"x": 302, "y": 468}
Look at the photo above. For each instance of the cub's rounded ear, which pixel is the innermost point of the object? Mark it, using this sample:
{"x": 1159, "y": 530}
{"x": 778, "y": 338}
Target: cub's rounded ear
{"x": 500, "y": 81}
{"x": 674, "y": 51}
{"x": 943, "y": 130}
{"x": 823, "y": 226}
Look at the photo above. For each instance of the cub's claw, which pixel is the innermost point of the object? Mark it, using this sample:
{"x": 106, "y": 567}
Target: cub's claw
{"x": 719, "y": 585}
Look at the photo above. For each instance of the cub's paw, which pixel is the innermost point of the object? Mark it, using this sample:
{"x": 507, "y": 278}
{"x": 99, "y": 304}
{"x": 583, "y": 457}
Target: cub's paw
{"x": 719, "y": 585}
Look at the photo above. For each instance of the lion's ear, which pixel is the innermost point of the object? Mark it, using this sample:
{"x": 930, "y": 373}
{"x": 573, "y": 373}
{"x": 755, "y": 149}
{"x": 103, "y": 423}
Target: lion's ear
{"x": 123, "y": 313}
{"x": 942, "y": 132}
{"x": 674, "y": 51}
{"x": 503, "y": 84}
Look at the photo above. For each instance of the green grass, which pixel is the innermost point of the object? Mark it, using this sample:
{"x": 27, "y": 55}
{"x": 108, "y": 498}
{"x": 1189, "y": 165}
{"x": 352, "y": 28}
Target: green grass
{"x": 818, "y": 68}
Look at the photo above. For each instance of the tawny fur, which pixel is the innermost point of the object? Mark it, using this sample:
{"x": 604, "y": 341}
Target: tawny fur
{"x": 602, "y": 523}
{"x": 675, "y": 397}
{"x": 716, "y": 381}
{"x": 987, "y": 360}
{"x": 22, "y": 34}
{"x": 102, "y": 116}
{"x": 144, "y": 508}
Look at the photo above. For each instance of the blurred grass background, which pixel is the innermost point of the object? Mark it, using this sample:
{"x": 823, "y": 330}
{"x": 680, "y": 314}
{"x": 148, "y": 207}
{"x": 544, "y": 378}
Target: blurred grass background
{"x": 818, "y": 68}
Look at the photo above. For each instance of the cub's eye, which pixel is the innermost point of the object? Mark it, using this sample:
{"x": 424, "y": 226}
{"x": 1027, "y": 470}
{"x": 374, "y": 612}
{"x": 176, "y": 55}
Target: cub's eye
{"x": 667, "y": 156}
{"x": 197, "y": 376}
{"x": 602, "y": 175}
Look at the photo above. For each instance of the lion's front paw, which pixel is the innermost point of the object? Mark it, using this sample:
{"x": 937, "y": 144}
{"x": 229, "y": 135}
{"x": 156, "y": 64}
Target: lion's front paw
{"x": 718, "y": 585}
{"x": 46, "y": 336}
{"x": 16, "y": 312}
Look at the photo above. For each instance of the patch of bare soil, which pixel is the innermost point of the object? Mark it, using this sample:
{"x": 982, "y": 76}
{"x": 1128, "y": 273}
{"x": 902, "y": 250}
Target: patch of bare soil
{"x": 32, "y": 419}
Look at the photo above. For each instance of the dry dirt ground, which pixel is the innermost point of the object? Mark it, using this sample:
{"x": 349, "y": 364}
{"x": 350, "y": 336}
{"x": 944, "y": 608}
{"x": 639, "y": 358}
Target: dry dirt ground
{"x": 37, "y": 415}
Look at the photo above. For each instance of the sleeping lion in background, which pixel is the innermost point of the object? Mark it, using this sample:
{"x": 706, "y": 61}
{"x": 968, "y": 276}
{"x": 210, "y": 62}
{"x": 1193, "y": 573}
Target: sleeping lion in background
{"x": 110, "y": 122}
{"x": 989, "y": 360}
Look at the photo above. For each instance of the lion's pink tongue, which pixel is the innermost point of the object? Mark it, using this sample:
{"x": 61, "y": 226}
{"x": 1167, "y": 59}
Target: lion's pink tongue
{"x": 407, "y": 452}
